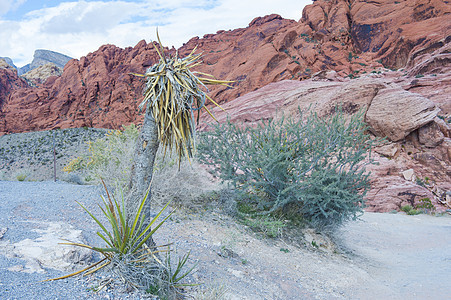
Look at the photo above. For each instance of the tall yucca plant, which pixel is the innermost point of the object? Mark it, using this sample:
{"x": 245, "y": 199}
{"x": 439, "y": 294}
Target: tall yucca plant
{"x": 173, "y": 93}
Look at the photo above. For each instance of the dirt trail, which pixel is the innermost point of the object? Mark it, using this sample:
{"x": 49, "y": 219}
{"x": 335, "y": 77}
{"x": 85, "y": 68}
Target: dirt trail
{"x": 409, "y": 255}
{"x": 384, "y": 256}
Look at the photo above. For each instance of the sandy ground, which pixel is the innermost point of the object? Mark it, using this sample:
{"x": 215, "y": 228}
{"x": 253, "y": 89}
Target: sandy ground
{"x": 382, "y": 256}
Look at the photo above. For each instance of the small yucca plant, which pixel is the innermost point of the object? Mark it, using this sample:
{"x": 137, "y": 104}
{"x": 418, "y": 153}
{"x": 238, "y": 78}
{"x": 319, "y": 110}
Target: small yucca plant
{"x": 139, "y": 265}
{"x": 174, "y": 93}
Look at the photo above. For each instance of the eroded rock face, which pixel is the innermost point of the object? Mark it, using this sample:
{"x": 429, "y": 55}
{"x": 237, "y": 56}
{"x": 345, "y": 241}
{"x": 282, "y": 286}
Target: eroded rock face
{"x": 430, "y": 135}
{"x": 43, "y": 57}
{"x": 348, "y": 38}
{"x": 96, "y": 91}
{"x": 394, "y": 113}
{"x": 9, "y": 81}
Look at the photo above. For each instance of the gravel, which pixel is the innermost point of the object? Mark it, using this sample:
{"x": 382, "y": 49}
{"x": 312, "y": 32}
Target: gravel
{"x": 387, "y": 256}
{"x": 23, "y": 206}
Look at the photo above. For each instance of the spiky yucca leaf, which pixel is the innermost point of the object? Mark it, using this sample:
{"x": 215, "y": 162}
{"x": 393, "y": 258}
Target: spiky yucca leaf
{"x": 124, "y": 239}
{"x": 173, "y": 92}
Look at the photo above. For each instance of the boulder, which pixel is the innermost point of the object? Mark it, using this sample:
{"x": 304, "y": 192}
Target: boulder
{"x": 430, "y": 135}
{"x": 394, "y": 113}
{"x": 287, "y": 97}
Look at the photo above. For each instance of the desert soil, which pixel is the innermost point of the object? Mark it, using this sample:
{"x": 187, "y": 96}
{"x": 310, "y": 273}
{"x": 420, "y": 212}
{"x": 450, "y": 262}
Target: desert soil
{"x": 382, "y": 256}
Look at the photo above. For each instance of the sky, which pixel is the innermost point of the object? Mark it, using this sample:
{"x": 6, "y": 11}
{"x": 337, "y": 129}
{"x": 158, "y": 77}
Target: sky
{"x": 76, "y": 28}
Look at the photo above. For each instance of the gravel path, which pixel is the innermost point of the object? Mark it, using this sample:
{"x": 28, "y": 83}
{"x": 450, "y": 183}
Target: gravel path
{"x": 388, "y": 256}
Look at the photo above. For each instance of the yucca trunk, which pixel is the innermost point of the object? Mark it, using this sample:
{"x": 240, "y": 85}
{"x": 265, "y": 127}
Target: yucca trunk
{"x": 142, "y": 169}
{"x": 172, "y": 94}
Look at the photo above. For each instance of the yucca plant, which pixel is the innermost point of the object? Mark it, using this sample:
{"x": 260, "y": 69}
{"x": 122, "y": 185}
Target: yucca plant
{"x": 126, "y": 251}
{"x": 173, "y": 93}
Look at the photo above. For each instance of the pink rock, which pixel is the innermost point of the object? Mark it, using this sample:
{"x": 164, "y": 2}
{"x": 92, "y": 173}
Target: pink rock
{"x": 395, "y": 113}
{"x": 430, "y": 135}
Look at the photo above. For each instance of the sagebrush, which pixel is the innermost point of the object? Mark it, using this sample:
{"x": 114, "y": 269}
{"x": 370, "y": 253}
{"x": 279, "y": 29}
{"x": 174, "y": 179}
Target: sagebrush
{"x": 310, "y": 167}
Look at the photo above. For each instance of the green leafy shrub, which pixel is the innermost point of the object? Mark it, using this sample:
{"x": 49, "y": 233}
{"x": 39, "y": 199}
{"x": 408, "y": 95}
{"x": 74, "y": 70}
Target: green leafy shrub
{"x": 425, "y": 205}
{"x": 409, "y": 210}
{"x": 414, "y": 212}
{"x": 406, "y": 208}
{"x": 312, "y": 168}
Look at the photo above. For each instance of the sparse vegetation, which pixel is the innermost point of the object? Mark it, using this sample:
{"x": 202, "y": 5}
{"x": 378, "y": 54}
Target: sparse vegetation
{"x": 408, "y": 209}
{"x": 21, "y": 177}
{"x": 110, "y": 157}
{"x": 425, "y": 205}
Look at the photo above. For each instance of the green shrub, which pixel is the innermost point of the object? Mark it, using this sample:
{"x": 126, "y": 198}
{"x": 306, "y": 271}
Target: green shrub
{"x": 414, "y": 212}
{"x": 311, "y": 168}
{"x": 21, "y": 177}
{"x": 407, "y": 209}
{"x": 425, "y": 205}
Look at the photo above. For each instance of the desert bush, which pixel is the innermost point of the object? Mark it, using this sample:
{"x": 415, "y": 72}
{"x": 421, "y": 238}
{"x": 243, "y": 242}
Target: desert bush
{"x": 425, "y": 205}
{"x": 311, "y": 167}
{"x": 22, "y": 175}
{"x": 192, "y": 180}
{"x": 109, "y": 157}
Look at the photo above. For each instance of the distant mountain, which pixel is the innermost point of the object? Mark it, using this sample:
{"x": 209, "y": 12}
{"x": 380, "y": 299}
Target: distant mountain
{"x": 42, "y": 57}
{"x": 9, "y": 61}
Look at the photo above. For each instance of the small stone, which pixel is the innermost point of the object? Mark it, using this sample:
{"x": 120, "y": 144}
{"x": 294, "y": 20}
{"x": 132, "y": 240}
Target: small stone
{"x": 3, "y": 231}
{"x": 236, "y": 273}
{"x": 408, "y": 174}
{"x": 389, "y": 150}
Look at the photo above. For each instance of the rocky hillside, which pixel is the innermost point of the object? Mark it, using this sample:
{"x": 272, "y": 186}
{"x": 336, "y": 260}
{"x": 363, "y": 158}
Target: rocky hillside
{"x": 351, "y": 37}
{"x": 39, "y": 75}
{"x": 9, "y": 61}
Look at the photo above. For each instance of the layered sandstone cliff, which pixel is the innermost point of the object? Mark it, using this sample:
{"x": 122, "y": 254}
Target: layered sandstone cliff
{"x": 351, "y": 37}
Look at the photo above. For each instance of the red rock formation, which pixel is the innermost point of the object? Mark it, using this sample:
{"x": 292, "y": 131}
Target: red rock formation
{"x": 350, "y": 37}
{"x": 9, "y": 81}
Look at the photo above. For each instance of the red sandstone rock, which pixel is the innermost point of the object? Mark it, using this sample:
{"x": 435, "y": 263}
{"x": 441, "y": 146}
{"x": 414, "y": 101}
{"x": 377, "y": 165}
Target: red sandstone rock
{"x": 394, "y": 113}
{"x": 349, "y": 38}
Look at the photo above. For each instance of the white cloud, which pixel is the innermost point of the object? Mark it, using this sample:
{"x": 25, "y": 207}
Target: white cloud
{"x": 77, "y": 28}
